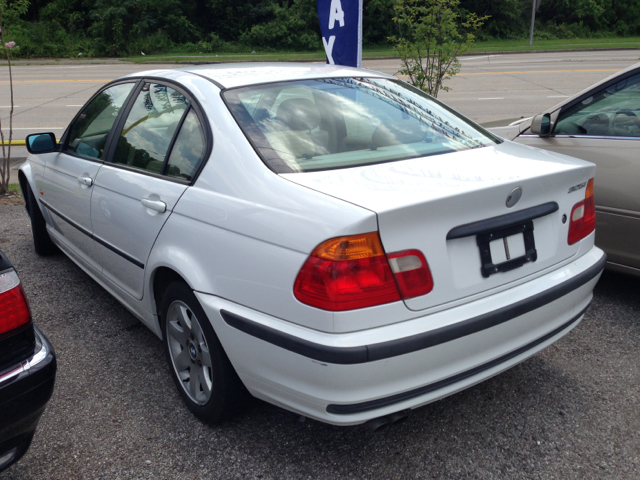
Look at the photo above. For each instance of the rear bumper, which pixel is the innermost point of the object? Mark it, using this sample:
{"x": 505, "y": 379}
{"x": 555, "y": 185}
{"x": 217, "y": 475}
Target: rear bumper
{"x": 350, "y": 378}
{"x": 25, "y": 390}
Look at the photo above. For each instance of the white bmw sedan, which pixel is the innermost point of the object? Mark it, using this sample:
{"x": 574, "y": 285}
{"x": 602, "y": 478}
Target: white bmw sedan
{"x": 334, "y": 240}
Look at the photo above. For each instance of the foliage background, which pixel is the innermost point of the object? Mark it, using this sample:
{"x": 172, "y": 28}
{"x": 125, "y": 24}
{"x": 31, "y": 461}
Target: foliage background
{"x": 64, "y": 28}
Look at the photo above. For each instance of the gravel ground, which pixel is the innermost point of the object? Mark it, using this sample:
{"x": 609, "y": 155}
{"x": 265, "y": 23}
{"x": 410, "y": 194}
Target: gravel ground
{"x": 572, "y": 411}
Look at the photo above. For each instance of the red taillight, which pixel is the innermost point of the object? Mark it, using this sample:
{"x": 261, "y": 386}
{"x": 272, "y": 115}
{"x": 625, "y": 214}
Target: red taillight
{"x": 14, "y": 310}
{"x": 412, "y": 273}
{"x": 583, "y": 216}
{"x": 352, "y": 272}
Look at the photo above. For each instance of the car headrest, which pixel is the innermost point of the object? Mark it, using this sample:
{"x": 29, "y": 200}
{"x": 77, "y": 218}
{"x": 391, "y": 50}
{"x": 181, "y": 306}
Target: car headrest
{"x": 596, "y": 124}
{"x": 398, "y": 133}
{"x": 298, "y": 114}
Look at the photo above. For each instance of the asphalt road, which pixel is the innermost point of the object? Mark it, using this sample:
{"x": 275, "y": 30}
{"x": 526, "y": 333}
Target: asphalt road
{"x": 570, "y": 412}
{"x": 495, "y": 87}
{"x": 488, "y": 88}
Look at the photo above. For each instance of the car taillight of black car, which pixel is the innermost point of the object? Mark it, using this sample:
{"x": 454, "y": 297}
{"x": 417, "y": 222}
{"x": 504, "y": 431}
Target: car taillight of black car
{"x": 27, "y": 369}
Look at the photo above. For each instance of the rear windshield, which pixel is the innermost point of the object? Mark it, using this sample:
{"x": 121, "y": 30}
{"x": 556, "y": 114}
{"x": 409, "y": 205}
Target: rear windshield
{"x": 330, "y": 123}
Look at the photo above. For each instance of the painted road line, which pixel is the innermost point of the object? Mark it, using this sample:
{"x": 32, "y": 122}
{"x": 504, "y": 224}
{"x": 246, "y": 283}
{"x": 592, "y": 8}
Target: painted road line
{"x": 59, "y": 81}
{"x": 475, "y": 58}
{"x": 529, "y": 71}
{"x": 540, "y": 71}
{"x": 492, "y": 98}
{"x": 83, "y": 66}
{"x": 48, "y": 67}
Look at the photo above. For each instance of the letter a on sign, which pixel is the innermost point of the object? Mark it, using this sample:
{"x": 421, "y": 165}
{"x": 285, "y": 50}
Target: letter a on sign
{"x": 341, "y": 27}
{"x": 335, "y": 13}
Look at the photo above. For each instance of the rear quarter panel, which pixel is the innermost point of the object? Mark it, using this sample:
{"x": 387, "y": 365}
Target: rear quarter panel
{"x": 242, "y": 232}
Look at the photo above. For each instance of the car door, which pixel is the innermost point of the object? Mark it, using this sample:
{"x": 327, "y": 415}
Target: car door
{"x": 603, "y": 127}
{"x": 155, "y": 156}
{"x": 69, "y": 175}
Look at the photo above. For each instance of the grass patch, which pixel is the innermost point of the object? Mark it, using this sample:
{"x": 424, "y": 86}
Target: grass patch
{"x": 250, "y": 57}
{"x": 479, "y": 47}
{"x": 227, "y": 57}
{"x": 13, "y": 196}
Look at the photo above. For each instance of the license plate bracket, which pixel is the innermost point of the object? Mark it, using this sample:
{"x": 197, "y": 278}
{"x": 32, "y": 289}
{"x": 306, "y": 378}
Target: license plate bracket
{"x": 483, "y": 240}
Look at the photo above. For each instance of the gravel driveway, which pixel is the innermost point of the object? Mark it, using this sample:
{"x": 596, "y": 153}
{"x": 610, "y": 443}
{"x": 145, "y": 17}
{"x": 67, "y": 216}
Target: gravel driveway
{"x": 572, "y": 411}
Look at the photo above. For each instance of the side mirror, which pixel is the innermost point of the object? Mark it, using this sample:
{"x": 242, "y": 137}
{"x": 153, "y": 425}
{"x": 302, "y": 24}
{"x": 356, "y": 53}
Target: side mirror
{"x": 41, "y": 142}
{"x": 541, "y": 125}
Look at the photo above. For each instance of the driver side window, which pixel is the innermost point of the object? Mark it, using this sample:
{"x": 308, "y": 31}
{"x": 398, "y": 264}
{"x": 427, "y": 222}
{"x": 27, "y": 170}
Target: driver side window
{"x": 612, "y": 112}
{"x": 88, "y": 133}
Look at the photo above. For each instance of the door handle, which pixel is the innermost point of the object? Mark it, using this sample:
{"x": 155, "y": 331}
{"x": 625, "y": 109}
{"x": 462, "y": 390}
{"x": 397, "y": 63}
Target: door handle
{"x": 156, "y": 205}
{"x": 85, "y": 180}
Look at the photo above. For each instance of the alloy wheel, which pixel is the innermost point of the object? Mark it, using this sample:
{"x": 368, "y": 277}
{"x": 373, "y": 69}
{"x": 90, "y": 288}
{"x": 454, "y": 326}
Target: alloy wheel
{"x": 189, "y": 352}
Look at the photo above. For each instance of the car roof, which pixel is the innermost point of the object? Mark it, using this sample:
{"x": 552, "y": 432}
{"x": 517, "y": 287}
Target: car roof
{"x": 230, "y": 75}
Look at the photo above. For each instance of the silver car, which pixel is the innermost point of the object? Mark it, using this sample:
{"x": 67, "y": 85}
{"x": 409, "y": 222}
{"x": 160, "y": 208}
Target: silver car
{"x": 602, "y": 125}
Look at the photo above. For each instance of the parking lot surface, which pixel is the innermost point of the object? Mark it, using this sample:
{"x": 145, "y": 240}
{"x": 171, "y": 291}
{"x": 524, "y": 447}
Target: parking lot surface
{"x": 570, "y": 412}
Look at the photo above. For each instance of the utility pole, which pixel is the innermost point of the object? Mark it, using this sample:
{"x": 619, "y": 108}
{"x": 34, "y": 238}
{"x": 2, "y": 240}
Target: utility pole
{"x": 533, "y": 21}
{"x": 536, "y": 5}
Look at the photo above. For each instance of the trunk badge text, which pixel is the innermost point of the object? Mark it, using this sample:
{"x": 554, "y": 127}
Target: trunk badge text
{"x": 514, "y": 197}
{"x": 577, "y": 187}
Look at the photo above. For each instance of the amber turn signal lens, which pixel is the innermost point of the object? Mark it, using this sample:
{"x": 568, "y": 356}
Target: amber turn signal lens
{"x": 351, "y": 247}
{"x": 589, "y": 192}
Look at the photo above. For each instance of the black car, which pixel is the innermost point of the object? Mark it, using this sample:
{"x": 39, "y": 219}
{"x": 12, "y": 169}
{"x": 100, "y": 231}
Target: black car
{"x": 27, "y": 369}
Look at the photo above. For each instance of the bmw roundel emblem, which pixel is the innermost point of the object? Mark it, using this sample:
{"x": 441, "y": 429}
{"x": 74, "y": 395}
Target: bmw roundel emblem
{"x": 514, "y": 196}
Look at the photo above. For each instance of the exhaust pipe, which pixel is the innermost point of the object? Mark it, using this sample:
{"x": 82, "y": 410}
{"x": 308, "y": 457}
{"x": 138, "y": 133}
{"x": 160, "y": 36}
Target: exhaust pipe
{"x": 379, "y": 423}
{"x": 399, "y": 417}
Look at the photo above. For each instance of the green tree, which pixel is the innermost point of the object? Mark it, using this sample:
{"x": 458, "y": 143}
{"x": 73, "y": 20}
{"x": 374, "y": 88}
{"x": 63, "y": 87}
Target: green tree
{"x": 431, "y": 35}
{"x": 294, "y": 26}
{"x": 376, "y": 27}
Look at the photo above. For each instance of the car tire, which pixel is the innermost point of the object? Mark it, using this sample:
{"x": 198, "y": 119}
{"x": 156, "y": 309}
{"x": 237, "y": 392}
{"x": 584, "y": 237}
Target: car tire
{"x": 42, "y": 242}
{"x": 212, "y": 392}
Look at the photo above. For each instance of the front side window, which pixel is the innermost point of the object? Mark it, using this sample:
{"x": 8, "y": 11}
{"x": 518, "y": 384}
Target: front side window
{"x": 612, "y": 112}
{"x": 150, "y": 127}
{"x": 88, "y": 133}
{"x": 328, "y": 123}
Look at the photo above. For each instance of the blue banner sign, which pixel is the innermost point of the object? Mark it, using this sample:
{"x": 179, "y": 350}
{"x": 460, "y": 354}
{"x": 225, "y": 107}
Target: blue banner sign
{"x": 341, "y": 27}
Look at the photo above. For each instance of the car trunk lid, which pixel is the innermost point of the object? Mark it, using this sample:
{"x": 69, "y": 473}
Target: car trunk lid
{"x": 453, "y": 208}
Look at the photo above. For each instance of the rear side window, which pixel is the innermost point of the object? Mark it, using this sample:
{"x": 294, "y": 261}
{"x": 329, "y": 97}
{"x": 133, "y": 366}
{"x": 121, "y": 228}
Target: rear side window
{"x": 150, "y": 127}
{"x": 188, "y": 150}
{"x": 88, "y": 133}
{"x": 330, "y": 123}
